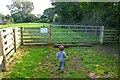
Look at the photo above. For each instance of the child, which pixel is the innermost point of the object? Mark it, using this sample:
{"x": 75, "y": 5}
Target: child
{"x": 61, "y": 55}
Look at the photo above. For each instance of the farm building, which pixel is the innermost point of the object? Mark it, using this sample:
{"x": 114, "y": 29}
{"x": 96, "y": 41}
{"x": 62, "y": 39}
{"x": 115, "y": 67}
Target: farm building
{"x": 2, "y": 22}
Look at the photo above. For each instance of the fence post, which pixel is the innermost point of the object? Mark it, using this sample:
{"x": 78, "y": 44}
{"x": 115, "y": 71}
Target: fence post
{"x": 21, "y": 29}
{"x": 49, "y": 31}
{"x": 3, "y": 53}
{"x": 85, "y": 28}
{"x": 101, "y": 35}
{"x": 14, "y": 34}
{"x": 95, "y": 31}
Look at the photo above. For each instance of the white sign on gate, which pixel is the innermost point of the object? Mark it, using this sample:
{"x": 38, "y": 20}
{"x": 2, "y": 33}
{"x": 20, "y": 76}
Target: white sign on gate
{"x": 43, "y": 30}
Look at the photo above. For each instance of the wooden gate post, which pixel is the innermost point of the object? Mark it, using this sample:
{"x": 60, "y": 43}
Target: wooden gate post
{"x": 49, "y": 31}
{"x": 14, "y": 34}
{"x": 3, "y": 53}
{"x": 21, "y": 29}
{"x": 101, "y": 35}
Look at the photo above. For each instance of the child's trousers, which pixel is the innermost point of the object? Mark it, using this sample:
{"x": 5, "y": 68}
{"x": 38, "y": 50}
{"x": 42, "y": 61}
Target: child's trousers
{"x": 61, "y": 65}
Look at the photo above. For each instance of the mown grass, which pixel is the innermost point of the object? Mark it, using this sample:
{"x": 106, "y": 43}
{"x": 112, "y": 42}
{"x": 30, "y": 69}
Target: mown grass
{"x": 41, "y": 62}
{"x": 24, "y": 25}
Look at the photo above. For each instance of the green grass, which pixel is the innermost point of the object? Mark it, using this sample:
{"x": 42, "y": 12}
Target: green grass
{"x": 98, "y": 62}
{"x": 24, "y": 25}
{"x": 41, "y": 62}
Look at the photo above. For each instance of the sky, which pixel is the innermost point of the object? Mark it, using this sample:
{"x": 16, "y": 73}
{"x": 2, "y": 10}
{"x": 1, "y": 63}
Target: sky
{"x": 39, "y": 6}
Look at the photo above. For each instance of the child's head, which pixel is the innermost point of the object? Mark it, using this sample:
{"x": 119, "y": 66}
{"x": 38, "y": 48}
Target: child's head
{"x": 61, "y": 47}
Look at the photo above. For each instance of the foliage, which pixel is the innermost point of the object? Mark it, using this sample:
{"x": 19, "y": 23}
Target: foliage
{"x": 9, "y": 19}
{"x": 6, "y": 19}
{"x": 68, "y": 13}
{"x": 46, "y": 20}
{"x": 87, "y": 13}
{"x": 20, "y": 7}
{"x": 21, "y": 11}
{"x": 23, "y": 18}
{"x": 48, "y": 15}
{"x": 2, "y": 17}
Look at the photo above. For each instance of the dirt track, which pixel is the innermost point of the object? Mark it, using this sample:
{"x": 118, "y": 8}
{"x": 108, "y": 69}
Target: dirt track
{"x": 72, "y": 65}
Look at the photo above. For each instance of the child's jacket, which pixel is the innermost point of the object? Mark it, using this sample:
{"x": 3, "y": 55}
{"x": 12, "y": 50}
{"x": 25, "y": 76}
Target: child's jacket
{"x": 61, "y": 55}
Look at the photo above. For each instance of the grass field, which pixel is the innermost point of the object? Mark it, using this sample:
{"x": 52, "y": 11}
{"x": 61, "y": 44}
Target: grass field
{"x": 83, "y": 62}
{"x": 24, "y": 25}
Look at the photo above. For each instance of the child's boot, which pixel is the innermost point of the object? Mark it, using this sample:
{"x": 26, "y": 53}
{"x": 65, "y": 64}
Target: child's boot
{"x": 58, "y": 69}
{"x": 62, "y": 71}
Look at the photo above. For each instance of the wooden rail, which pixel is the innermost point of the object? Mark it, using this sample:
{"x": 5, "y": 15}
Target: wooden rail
{"x": 76, "y": 26}
{"x": 110, "y": 36}
{"x": 10, "y": 41}
{"x": 31, "y": 36}
{"x": 1, "y": 57}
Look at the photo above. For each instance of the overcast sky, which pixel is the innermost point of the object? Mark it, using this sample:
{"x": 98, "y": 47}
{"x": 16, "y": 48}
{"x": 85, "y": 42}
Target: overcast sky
{"x": 39, "y": 6}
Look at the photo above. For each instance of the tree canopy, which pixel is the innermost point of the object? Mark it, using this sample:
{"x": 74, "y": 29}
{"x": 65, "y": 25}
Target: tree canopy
{"x": 21, "y": 11}
{"x": 84, "y": 13}
{"x": 20, "y": 7}
{"x": 88, "y": 13}
{"x": 48, "y": 15}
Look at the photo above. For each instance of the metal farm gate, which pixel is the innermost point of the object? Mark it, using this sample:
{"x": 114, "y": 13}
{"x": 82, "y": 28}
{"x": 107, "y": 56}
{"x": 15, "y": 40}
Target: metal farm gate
{"x": 62, "y": 34}
{"x": 75, "y": 34}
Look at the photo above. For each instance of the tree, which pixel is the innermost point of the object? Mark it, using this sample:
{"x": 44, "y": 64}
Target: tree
{"x": 49, "y": 14}
{"x": 9, "y": 19}
{"x": 38, "y": 15}
{"x": 68, "y": 13}
{"x": 87, "y": 13}
{"x": 29, "y": 18}
{"x": 21, "y": 11}
{"x": 23, "y": 18}
{"x": 20, "y": 7}
{"x": 2, "y": 17}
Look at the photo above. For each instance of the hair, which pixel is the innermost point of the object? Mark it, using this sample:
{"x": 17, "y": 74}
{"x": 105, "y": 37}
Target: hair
{"x": 61, "y": 47}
